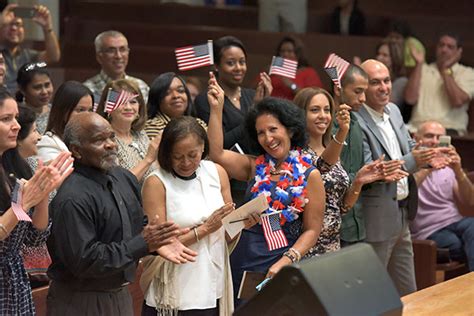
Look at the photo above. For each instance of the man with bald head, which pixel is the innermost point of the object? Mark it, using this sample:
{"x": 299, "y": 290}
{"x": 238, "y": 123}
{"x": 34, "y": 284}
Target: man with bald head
{"x": 98, "y": 233}
{"x": 438, "y": 217}
{"x": 388, "y": 206}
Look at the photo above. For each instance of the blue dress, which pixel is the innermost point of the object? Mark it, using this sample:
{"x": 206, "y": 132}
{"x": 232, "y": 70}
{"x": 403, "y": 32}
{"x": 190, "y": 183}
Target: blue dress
{"x": 252, "y": 254}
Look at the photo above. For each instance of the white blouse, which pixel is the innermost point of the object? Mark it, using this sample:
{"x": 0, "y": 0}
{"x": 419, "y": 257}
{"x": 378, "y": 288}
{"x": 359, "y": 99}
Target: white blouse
{"x": 189, "y": 203}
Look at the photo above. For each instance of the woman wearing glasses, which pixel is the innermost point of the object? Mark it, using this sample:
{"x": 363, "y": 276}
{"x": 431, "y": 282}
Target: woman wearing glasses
{"x": 35, "y": 90}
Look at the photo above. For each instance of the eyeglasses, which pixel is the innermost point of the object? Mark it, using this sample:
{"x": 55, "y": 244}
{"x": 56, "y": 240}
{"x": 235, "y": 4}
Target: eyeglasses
{"x": 112, "y": 51}
{"x": 34, "y": 66}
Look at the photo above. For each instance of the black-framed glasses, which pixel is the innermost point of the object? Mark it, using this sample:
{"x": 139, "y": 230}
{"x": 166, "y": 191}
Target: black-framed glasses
{"x": 34, "y": 66}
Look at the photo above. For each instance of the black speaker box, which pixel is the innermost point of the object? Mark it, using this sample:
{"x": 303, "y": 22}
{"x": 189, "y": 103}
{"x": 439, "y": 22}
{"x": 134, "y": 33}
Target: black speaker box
{"x": 351, "y": 281}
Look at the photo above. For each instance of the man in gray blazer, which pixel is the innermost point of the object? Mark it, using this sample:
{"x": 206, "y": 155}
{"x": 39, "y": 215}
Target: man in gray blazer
{"x": 386, "y": 205}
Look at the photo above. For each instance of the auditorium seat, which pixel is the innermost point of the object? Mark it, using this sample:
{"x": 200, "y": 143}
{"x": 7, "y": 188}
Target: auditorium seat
{"x": 39, "y": 300}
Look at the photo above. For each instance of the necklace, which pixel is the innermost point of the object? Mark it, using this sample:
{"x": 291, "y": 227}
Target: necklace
{"x": 290, "y": 190}
{"x": 238, "y": 95}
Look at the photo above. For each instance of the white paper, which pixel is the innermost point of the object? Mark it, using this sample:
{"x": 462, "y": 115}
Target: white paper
{"x": 234, "y": 223}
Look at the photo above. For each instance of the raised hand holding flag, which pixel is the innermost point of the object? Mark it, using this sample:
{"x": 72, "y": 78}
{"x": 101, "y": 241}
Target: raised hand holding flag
{"x": 116, "y": 99}
{"x": 336, "y": 67}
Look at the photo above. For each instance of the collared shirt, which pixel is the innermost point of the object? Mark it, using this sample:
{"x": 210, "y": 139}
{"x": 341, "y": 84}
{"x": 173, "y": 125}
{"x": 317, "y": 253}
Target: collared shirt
{"x": 436, "y": 204}
{"x": 97, "y": 84}
{"x": 14, "y": 62}
{"x": 386, "y": 129}
{"x": 352, "y": 159}
{"x": 433, "y": 101}
{"x": 87, "y": 244}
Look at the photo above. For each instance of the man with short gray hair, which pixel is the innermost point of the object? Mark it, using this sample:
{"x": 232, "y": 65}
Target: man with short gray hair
{"x": 112, "y": 52}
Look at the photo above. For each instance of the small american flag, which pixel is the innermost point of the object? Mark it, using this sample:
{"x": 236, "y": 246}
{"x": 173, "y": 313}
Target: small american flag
{"x": 336, "y": 67}
{"x": 274, "y": 235}
{"x": 283, "y": 67}
{"x": 191, "y": 57}
{"x": 116, "y": 99}
{"x": 17, "y": 208}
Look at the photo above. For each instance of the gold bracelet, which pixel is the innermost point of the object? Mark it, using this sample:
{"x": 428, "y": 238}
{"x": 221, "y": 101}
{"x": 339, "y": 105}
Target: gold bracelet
{"x": 290, "y": 256}
{"x": 355, "y": 192}
{"x": 297, "y": 254}
{"x": 196, "y": 234}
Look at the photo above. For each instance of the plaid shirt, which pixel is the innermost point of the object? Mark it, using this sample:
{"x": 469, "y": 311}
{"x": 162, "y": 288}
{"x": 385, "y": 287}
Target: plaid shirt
{"x": 97, "y": 83}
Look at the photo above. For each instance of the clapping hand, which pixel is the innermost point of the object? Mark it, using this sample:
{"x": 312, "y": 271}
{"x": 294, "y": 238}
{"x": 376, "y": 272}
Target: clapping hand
{"x": 46, "y": 179}
{"x": 152, "y": 150}
{"x": 162, "y": 238}
{"x": 264, "y": 87}
{"x": 214, "y": 222}
{"x": 391, "y": 170}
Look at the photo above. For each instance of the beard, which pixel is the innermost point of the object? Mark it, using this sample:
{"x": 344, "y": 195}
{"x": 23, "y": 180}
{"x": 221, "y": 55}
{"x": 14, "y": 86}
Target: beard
{"x": 109, "y": 161}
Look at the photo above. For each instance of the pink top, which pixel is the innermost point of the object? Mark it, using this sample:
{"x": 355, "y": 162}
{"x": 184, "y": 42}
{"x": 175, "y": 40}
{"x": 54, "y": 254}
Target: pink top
{"x": 436, "y": 206}
{"x": 305, "y": 77}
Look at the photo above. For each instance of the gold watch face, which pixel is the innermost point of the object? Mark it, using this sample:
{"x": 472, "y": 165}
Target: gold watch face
{"x": 448, "y": 71}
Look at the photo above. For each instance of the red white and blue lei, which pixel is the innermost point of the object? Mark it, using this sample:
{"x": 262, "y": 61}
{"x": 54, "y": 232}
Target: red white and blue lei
{"x": 290, "y": 191}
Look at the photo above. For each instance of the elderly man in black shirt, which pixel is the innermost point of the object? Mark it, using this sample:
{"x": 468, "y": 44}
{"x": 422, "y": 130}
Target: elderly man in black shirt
{"x": 97, "y": 234}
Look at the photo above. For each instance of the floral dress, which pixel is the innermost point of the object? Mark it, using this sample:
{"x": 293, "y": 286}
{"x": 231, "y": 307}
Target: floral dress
{"x": 336, "y": 181}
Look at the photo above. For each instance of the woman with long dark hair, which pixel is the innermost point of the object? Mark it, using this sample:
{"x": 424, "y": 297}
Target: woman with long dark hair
{"x": 72, "y": 97}
{"x": 21, "y": 200}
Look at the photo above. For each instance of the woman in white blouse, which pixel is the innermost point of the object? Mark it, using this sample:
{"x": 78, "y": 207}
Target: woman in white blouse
{"x": 194, "y": 193}
{"x": 72, "y": 97}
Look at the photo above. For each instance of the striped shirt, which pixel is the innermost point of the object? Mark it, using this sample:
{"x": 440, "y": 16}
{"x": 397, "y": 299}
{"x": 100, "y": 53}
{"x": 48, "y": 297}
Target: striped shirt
{"x": 156, "y": 125}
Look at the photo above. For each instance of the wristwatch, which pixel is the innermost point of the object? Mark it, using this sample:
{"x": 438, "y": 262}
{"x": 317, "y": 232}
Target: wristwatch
{"x": 293, "y": 87}
{"x": 448, "y": 72}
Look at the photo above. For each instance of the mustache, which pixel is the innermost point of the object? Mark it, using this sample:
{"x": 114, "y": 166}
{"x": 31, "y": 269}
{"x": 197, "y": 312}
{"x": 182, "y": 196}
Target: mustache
{"x": 111, "y": 153}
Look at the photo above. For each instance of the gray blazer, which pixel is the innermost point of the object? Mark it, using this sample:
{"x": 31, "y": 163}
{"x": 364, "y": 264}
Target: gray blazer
{"x": 383, "y": 218}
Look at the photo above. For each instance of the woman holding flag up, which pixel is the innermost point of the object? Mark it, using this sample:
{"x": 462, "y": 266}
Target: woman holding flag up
{"x": 294, "y": 189}
{"x": 122, "y": 104}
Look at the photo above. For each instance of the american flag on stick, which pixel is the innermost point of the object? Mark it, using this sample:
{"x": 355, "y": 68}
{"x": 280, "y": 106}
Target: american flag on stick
{"x": 116, "y": 99}
{"x": 16, "y": 198}
{"x": 336, "y": 67}
{"x": 274, "y": 235}
{"x": 191, "y": 57}
{"x": 283, "y": 67}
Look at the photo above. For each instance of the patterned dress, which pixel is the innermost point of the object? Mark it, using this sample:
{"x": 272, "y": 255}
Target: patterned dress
{"x": 336, "y": 181}
{"x": 36, "y": 259}
{"x": 15, "y": 291}
{"x": 129, "y": 155}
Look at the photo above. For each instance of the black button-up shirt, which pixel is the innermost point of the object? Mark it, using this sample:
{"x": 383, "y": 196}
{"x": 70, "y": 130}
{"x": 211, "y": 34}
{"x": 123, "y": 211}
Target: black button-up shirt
{"x": 89, "y": 246}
